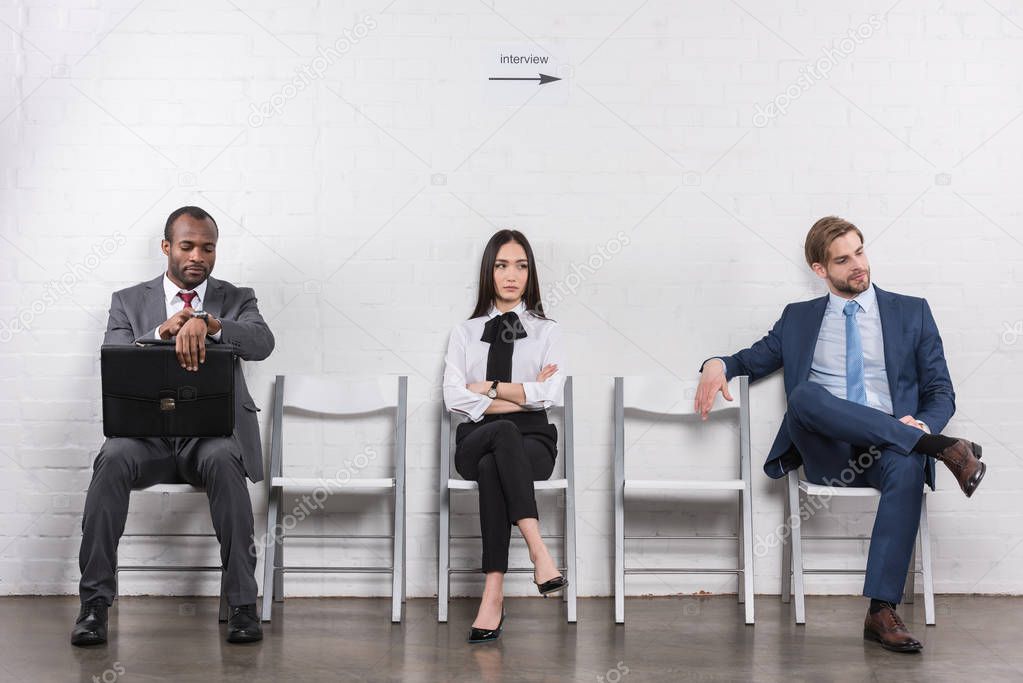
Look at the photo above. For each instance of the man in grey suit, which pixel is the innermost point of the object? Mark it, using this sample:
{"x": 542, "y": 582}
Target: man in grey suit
{"x": 194, "y": 309}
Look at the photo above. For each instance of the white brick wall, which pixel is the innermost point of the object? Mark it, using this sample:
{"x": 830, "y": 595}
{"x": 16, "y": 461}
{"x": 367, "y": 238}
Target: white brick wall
{"x": 359, "y": 206}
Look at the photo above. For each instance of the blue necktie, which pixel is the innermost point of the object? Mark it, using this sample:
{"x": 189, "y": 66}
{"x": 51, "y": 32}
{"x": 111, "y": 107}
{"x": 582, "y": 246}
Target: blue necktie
{"x": 854, "y": 387}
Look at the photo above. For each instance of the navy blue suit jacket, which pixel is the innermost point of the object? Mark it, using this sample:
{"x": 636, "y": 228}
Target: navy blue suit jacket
{"x": 914, "y": 362}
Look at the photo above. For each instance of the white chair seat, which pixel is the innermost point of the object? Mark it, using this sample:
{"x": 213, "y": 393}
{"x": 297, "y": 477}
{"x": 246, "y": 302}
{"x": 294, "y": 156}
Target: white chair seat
{"x": 684, "y": 484}
{"x": 842, "y": 491}
{"x": 309, "y": 483}
{"x": 547, "y": 485}
{"x": 172, "y": 488}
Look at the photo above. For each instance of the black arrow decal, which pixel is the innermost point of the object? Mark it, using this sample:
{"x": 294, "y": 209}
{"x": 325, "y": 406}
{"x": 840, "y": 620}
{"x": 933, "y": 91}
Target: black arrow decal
{"x": 544, "y": 78}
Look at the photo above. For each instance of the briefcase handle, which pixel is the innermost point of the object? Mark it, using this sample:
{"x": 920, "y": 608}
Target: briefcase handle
{"x": 143, "y": 343}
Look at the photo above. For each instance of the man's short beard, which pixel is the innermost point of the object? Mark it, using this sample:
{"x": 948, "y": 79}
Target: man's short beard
{"x": 847, "y": 288}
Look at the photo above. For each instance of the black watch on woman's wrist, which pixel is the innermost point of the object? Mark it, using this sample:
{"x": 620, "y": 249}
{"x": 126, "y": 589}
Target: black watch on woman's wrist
{"x": 492, "y": 392}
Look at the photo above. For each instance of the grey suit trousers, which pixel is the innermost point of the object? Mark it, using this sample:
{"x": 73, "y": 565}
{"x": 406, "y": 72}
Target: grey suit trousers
{"x": 123, "y": 464}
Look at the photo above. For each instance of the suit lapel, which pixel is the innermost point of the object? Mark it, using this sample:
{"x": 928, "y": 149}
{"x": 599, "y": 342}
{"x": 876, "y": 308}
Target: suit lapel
{"x": 154, "y": 308}
{"x": 810, "y": 329}
{"x": 888, "y": 310}
{"x": 214, "y": 304}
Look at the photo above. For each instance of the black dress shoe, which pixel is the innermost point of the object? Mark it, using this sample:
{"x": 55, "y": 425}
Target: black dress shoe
{"x": 91, "y": 625}
{"x": 243, "y": 625}
{"x": 553, "y": 586}
{"x": 485, "y": 635}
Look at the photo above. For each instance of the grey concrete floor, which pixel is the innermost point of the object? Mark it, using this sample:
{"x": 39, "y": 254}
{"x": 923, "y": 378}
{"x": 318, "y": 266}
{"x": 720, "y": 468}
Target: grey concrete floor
{"x": 977, "y": 639}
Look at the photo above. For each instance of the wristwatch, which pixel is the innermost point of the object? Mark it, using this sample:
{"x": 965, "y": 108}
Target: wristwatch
{"x": 492, "y": 392}
{"x": 201, "y": 315}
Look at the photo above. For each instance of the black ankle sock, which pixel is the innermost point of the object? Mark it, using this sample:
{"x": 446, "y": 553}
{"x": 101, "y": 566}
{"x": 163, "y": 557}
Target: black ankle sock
{"x": 876, "y": 605}
{"x": 932, "y": 444}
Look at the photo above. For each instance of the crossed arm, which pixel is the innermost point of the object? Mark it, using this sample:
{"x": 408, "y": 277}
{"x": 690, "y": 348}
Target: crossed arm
{"x": 510, "y": 396}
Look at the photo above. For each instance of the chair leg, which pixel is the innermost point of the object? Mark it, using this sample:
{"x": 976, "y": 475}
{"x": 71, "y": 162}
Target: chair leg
{"x": 786, "y": 554}
{"x": 909, "y": 589}
{"x": 619, "y": 513}
{"x": 270, "y": 552}
{"x": 796, "y": 531}
{"x": 443, "y": 554}
{"x": 398, "y": 556}
{"x": 223, "y": 599}
{"x": 740, "y": 576}
{"x": 571, "y": 565}
{"x": 748, "y": 573}
{"x": 925, "y": 564}
{"x": 278, "y": 564}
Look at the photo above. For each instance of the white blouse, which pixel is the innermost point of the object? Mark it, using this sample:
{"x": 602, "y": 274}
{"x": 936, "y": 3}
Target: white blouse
{"x": 466, "y": 363}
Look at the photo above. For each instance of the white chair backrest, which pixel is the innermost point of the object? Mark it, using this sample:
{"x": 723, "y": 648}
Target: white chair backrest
{"x": 670, "y": 396}
{"x": 339, "y": 396}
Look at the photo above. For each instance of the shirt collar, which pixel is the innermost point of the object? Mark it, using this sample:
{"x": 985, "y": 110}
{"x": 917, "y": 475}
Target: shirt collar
{"x": 866, "y": 299}
{"x": 170, "y": 292}
{"x": 518, "y": 310}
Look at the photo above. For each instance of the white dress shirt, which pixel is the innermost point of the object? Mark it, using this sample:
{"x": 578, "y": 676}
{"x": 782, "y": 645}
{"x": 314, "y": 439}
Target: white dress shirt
{"x": 466, "y": 363}
{"x": 175, "y": 304}
{"x": 828, "y": 368}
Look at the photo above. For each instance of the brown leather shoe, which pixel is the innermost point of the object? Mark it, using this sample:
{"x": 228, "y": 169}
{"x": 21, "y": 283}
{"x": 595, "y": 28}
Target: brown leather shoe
{"x": 886, "y": 627}
{"x": 963, "y": 459}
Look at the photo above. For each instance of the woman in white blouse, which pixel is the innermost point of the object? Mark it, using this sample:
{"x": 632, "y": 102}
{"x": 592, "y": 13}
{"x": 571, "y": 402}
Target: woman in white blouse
{"x": 502, "y": 370}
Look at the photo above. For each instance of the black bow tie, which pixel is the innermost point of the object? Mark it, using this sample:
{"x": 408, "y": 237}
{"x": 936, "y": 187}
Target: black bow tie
{"x": 501, "y": 332}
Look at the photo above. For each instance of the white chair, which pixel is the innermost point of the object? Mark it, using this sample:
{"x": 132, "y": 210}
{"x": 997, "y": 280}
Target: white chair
{"x": 666, "y": 397}
{"x": 566, "y": 483}
{"x": 167, "y": 490}
{"x": 792, "y": 549}
{"x": 328, "y": 396}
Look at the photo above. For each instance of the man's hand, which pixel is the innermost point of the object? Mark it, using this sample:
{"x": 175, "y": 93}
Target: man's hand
{"x": 912, "y": 422}
{"x": 712, "y": 380}
{"x": 173, "y": 324}
{"x": 547, "y": 372}
{"x": 479, "y": 387}
{"x": 190, "y": 344}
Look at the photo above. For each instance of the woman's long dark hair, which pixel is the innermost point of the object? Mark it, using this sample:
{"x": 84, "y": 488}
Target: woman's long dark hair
{"x": 487, "y": 292}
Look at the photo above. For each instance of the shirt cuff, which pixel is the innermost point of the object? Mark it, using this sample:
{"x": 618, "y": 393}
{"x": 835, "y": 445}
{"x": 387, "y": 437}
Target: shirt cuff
{"x": 216, "y": 337}
{"x": 534, "y": 394}
{"x": 478, "y": 410}
{"x": 156, "y": 333}
{"x": 724, "y": 366}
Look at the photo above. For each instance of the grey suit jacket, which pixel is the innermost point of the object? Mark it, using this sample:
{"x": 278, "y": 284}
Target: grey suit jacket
{"x": 137, "y": 311}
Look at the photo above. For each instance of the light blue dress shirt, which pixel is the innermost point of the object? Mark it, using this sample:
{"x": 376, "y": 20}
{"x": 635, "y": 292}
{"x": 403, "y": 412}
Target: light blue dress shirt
{"x": 828, "y": 368}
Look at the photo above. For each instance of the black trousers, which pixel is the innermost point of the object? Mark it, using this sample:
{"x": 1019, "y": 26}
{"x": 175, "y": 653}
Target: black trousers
{"x": 123, "y": 464}
{"x": 505, "y": 454}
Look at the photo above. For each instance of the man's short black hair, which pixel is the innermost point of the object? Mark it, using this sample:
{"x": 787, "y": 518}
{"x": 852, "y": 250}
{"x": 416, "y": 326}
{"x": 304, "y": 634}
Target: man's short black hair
{"x": 193, "y": 211}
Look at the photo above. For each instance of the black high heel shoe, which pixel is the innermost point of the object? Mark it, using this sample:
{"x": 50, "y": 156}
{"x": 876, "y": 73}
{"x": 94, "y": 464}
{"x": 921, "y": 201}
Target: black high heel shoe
{"x": 485, "y": 635}
{"x": 553, "y": 586}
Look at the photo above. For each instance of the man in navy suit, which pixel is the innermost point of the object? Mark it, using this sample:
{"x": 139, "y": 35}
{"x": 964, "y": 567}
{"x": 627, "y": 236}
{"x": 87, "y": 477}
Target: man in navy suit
{"x": 868, "y": 394}
{"x": 194, "y": 309}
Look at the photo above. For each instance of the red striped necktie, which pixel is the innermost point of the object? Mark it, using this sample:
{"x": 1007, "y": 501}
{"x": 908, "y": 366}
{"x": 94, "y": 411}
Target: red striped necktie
{"x": 188, "y": 298}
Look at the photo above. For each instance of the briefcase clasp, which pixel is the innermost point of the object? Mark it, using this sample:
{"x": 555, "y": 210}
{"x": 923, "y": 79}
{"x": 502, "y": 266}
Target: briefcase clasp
{"x": 166, "y": 404}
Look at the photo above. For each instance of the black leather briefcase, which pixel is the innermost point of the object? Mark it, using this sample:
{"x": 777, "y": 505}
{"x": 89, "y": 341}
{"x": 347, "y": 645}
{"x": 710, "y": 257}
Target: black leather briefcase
{"x": 146, "y": 392}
